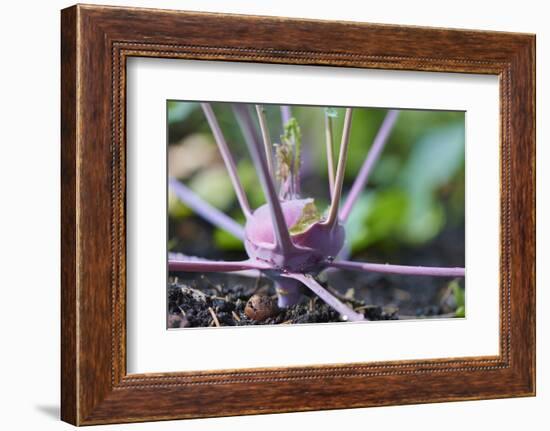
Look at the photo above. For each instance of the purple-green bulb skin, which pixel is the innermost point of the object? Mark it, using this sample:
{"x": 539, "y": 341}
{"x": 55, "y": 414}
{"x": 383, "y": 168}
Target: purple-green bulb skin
{"x": 313, "y": 245}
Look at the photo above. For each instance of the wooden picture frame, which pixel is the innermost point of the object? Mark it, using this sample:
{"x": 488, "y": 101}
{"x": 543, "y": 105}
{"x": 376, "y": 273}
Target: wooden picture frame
{"x": 95, "y": 43}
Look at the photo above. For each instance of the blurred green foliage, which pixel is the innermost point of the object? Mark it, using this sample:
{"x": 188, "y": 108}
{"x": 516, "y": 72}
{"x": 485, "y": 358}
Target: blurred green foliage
{"x": 459, "y": 295}
{"x": 415, "y": 190}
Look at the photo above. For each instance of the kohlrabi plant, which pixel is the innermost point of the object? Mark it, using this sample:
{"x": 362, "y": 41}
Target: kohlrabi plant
{"x": 289, "y": 239}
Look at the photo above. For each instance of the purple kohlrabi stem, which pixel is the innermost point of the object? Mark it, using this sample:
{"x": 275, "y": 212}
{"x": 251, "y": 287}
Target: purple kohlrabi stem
{"x": 372, "y": 156}
{"x": 399, "y": 269}
{"x": 330, "y": 153}
{"x": 347, "y": 312}
{"x": 282, "y": 236}
{"x": 340, "y": 170}
{"x": 227, "y": 158}
{"x": 266, "y": 138}
{"x": 288, "y": 291}
{"x": 180, "y": 257}
{"x": 197, "y": 265}
{"x": 205, "y": 210}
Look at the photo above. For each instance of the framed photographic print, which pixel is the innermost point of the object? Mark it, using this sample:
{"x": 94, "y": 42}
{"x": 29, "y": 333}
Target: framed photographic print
{"x": 329, "y": 214}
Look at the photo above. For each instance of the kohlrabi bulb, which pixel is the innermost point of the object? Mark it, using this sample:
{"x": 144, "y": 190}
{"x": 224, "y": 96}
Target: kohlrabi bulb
{"x": 314, "y": 241}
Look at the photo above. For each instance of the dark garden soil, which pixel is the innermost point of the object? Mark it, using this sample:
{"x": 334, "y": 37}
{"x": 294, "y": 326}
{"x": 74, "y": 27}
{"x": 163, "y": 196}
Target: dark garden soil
{"x": 241, "y": 304}
{"x": 230, "y": 300}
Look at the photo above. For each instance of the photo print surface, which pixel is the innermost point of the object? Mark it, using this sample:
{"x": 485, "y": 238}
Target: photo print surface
{"x": 288, "y": 214}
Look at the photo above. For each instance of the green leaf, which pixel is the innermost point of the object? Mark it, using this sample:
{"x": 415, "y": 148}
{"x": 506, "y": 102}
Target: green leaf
{"x": 179, "y": 111}
{"x": 413, "y": 124}
{"x": 387, "y": 213}
{"x": 377, "y": 215}
{"x": 366, "y": 123}
{"x": 172, "y": 243}
{"x": 213, "y": 185}
{"x": 424, "y": 219}
{"x": 225, "y": 241}
{"x": 357, "y": 232}
{"x": 385, "y": 172}
{"x": 434, "y": 161}
{"x": 249, "y": 180}
{"x": 176, "y": 208}
{"x": 458, "y": 293}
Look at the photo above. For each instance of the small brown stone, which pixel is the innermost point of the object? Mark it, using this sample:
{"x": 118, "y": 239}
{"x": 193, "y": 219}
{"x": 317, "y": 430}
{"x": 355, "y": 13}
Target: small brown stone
{"x": 261, "y": 307}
